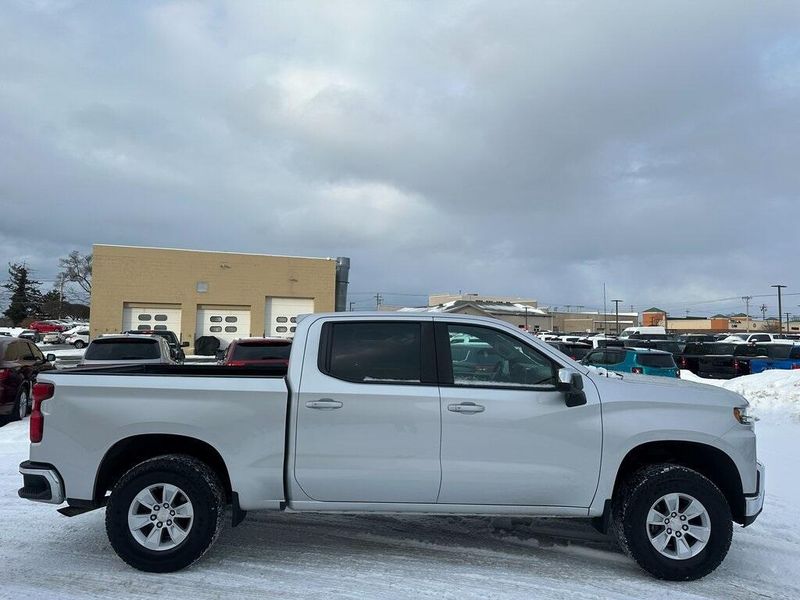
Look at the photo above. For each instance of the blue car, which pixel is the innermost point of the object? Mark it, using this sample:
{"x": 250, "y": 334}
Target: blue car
{"x": 781, "y": 357}
{"x": 634, "y": 360}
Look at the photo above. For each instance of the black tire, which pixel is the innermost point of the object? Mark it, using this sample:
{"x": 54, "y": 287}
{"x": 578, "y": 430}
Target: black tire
{"x": 79, "y": 344}
{"x": 632, "y": 504}
{"x": 202, "y": 487}
{"x": 23, "y": 396}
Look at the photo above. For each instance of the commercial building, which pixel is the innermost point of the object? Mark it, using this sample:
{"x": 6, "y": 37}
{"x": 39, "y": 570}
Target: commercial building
{"x": 198, "y": 293}
{"x": 519, "y": 312}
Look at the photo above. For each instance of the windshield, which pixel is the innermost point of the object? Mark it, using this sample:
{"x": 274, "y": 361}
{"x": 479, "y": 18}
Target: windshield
{"x": 261, "y": 351}
{"x": 123, "y": 349}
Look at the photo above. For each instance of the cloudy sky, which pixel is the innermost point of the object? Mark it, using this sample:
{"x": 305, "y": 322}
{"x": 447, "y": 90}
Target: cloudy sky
{"x": 528, "y": 148}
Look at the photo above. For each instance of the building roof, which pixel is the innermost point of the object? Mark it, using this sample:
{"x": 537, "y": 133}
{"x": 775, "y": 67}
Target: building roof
{"x": 211, "y": 251}
{"x": 655, "y": 310}
{"x": 505, "y": 308}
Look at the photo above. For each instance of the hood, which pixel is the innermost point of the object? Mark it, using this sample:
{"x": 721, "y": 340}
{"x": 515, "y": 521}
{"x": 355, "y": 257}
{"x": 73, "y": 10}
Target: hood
{"x": 650, "y": 388}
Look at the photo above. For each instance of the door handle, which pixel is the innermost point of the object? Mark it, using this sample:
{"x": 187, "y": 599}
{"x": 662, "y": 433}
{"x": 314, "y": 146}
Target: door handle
{"x": 324, "y": 404}
{"x": 466, "y": 407}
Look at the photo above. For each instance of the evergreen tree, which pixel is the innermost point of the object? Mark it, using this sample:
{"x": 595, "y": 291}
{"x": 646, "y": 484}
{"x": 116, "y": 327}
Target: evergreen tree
{"x": 25, "y": 295}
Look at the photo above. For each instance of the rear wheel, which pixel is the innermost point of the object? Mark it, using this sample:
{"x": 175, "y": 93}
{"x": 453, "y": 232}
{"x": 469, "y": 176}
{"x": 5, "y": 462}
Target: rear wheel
{"x": 165, "y": 513}
{"x": 21, "y": 404}
{"x": 79, "y": 344}
{"x": 674, "y": 522}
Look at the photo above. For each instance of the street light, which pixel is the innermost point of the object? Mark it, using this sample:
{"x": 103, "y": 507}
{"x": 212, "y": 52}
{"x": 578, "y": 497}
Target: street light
{"x": 780, "y": 308}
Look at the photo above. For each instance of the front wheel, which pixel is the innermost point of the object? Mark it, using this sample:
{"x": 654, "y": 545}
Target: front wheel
{"x": 79, "y": 344}
{"x": 674, "y": 522}
{"x": 165, "y": 513}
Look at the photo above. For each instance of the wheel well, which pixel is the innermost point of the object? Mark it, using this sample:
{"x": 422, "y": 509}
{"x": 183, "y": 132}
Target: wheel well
{"x": 131, "y": 451}
{"x": 706, "y": 460}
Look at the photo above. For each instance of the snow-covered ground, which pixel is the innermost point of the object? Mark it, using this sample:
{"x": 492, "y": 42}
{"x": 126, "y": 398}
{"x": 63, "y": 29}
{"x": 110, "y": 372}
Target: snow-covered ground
{"x": 45, "y": 555}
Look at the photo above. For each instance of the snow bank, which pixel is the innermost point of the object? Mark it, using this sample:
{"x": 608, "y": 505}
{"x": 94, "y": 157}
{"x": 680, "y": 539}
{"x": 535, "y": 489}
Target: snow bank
{"x": 773, "y": 391}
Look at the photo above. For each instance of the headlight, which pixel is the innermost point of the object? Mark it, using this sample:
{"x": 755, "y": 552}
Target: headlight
{"x": 742, "y": 414}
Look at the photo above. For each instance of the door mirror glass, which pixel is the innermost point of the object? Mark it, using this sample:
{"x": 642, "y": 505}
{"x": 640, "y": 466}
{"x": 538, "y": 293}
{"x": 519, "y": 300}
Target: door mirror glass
{"x": 51, "y": 357}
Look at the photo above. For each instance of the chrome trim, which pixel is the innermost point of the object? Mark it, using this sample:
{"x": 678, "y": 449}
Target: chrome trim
{"x": 53, "y": 481}
{"x": 754, "y": 503}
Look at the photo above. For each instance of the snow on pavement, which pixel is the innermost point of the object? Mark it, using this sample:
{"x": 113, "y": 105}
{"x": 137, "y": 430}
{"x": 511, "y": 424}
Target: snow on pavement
{"x": 292, "y": 556}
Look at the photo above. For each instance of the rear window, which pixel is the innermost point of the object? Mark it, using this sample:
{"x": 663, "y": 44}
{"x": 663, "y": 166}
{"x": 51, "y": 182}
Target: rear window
{"x": 672, "y": 347}
{"x": 720, "y": 349}
{"x": 780, "y": 351}
{"x": 375, "y": 352}
{"x": 123, "y": 349}
{"x": 748, "y": 350}
{"x": 577, "y": 352}
{"x": 663, "y": 361}
{"x": 261, "y": 351}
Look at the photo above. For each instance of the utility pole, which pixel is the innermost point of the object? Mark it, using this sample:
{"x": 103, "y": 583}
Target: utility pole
{"x": 787, "y": 322}
{"x": 780, "y": 307}
{"x": 747, "y": 311}
{"x": 616, "y": 313}
{"x": 763, "y": 309}
{"x": 351, "y": 305}
{"x": 526, "y": 317}
{"x": 378, "y": 300}
{"x": 60, "y": 294}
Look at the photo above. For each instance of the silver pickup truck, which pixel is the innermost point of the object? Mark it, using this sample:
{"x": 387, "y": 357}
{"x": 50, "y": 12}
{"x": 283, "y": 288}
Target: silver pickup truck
{"x": 397, "y": 413}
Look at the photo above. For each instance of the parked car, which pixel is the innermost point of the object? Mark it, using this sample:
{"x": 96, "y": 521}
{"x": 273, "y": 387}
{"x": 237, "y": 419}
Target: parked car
{"x": 127, "y": 349}
{"x": 380, "y": 421}
{"x": 728, "y": 360}
{"x": 79, "y": 338}
{"x": 643, "y": 331}
{"x": 20, "y": 363}
{"x": 671, "y": 346}
{"x": 696, "y": 338}
{"x": 175, "y": 345}
{"x": 690, "y": 357}
{"x": 576, "y": 351}
{"x": 781, "y": 356}
{"x": 634, "y": 360}
{"x": 757, "y": 338}
{"x": 54, "y": 337}
{"x": 30, "y": 334}
{"x": 46, "y": 326}
{"x": 256, "y": 351}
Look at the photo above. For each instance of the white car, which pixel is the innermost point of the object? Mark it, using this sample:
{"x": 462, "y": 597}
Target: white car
{"x": 757, "y": 338}
{"x": 79, "y": 339}
{"x": 383, "y": 413}
{"x": 127, "y": 349}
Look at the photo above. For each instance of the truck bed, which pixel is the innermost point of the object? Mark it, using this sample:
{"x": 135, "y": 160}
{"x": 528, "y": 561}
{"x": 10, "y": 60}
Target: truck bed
{"x": 180, "y": 370}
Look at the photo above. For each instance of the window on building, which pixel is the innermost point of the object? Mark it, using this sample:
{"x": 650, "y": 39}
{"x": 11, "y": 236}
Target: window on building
{"x": 145, "y": 317}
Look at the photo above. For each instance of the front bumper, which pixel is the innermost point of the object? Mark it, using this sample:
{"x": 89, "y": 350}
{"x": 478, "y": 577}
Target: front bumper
{"x": 754, "y": 503}
{"x": 41, "y": 483}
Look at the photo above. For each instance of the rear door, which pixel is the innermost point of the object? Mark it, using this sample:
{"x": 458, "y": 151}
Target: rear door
{"x": 368, "y": 420}
{"x": 508, "y": 438}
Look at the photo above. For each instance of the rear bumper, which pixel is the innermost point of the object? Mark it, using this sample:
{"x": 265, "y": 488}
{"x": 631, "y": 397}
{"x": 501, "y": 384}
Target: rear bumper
{"x": 41, "y": 483}
{"x": 754, "y": 503}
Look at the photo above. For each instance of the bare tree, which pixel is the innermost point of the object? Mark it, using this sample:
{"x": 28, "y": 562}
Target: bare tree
{"x": 77, "y": 268}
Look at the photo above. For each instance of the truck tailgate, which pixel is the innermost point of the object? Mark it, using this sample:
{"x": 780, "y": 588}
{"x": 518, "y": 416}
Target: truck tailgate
{"x": 243, "y": 418}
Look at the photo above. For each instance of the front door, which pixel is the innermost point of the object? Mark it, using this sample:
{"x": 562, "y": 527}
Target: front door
{"x": 368, "y": 420}
{"x": 508, "y": 438}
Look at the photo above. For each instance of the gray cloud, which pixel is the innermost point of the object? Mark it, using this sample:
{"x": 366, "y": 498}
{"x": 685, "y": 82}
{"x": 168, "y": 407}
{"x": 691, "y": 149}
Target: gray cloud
{"x": 538, "y": 149}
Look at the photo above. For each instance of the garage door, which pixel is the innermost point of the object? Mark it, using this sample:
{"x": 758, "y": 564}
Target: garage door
{"x": 225, "y": 324}
{"x": 281, "y": 315}
{"x": 156, "y": 317}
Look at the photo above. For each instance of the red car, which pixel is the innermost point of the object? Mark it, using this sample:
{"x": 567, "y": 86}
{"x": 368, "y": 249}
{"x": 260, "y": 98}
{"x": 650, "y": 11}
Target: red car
{"x": 20, "y": 363}
{"x": 46, "y": 326}
{"x": 257, "y": 351}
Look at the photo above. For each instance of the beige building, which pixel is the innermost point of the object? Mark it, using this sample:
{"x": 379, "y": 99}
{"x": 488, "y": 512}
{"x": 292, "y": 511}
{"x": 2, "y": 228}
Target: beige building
{"x": 196, "y": 293}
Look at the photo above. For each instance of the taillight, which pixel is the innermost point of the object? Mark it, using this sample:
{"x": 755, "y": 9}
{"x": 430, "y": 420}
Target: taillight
{"x": 638, "y": 370}
{"x": 796, "y": 366}
{"x": 684, "y": 362}
{"x": 41, "y": 392}
{"x": 235, "y": 363}
{"x": 5, "y": 374}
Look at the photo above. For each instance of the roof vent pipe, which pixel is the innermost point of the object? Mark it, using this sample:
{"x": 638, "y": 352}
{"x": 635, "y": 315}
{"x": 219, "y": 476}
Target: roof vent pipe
{"x": 342, "y": 280}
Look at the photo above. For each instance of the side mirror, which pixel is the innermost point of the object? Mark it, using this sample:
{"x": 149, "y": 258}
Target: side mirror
{"x": 184, "y": 344}
{"x": 571, "y": 383}
{"x": 50, "y": 357}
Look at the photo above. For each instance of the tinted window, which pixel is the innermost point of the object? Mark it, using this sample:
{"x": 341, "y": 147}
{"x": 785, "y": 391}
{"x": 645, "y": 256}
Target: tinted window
{"x": 760, "y": 337}
{"x": 615, "y": 357}
{"x": 748, "y": 350}
{"x": 379, "y": 352}
{"x": 12, "y": 352}
{"x": 261, "y": 351}
{"x": 794, "y": 352}
{"x": 123, "y": 349}
{"x": 595, "y": 358}
{"x": 672, "y": 347}
{"x": 780, "y": 351}
{"x": 497, "y": 358}
{"x": 32, "y": 352}
{"x": 663, "y": 361}
{"x": 720, "y": 349}
{"x": 577, "y": 352}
